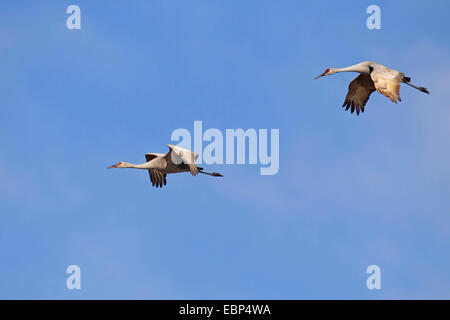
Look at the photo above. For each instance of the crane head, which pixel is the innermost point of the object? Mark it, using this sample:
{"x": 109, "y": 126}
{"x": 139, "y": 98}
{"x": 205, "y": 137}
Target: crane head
{"x": 118, "y": 165}
{"x": 327, "y": 72}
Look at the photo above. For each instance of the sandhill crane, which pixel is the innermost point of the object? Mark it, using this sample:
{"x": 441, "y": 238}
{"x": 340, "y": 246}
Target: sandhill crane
{"x": 159, "y": 165}
{"x": 372, "y": 76}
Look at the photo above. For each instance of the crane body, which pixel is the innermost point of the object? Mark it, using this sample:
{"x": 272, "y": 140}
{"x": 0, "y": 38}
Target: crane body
{"x": 372, "y": 77}
{"x": 159, "y": 165}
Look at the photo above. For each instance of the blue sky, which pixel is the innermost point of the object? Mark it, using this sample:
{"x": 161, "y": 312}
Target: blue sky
{"x": 351, "y": 191}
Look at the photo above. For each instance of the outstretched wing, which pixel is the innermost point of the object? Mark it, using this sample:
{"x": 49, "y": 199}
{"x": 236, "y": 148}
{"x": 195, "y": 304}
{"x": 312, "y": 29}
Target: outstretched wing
{"x": 359, "y": 91}
{"x": 387, "y": 81}
{"x": 157, "y": 177}
{"x": 179, "y": 156}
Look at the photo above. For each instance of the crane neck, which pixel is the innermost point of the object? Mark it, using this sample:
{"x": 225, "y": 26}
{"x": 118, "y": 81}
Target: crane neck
{"x": 355, "y": 68}
{"x": 137, "y": 166}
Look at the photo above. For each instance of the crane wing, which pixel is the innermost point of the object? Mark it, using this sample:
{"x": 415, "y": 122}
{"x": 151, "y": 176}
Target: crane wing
{"x": 157, "y": 177}
{"x": 178, "y": 156}
{"x": 359, "y": 91}
{"x": 150, "y": 156}
{"x": 387, "y": 81}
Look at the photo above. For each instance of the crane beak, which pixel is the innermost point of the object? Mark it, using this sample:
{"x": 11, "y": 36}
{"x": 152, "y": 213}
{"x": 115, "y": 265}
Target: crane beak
{"x": 113, "y": 166}
{"x": 321, "y": 75}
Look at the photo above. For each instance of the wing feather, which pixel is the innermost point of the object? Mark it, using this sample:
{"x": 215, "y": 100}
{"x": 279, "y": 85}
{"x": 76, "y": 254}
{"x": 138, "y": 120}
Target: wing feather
{"x": 157, "y": 177}
{"x": 387, "y": 82}
{"x": 180, "y": 156}
{"x": 359, "y": 91}
{"x": 150, "y": 156}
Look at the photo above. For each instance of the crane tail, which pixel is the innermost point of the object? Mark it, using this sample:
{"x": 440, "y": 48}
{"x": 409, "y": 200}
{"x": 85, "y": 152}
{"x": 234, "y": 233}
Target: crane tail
{"x": 407, "y": 80}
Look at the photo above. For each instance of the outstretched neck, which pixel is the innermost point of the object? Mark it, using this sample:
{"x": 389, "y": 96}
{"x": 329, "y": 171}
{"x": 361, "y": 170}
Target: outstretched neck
{"x": 137, "y": 166}
{"x": 355, "y": 68}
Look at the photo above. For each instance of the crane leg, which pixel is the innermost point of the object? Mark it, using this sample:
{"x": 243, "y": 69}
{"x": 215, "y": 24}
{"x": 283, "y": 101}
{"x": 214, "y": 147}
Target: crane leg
{"x": 407, "y": 80}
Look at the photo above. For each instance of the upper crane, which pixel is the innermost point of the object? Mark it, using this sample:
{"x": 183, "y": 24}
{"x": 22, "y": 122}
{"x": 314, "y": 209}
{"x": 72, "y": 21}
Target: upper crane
{"x": 372, "y": 76}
